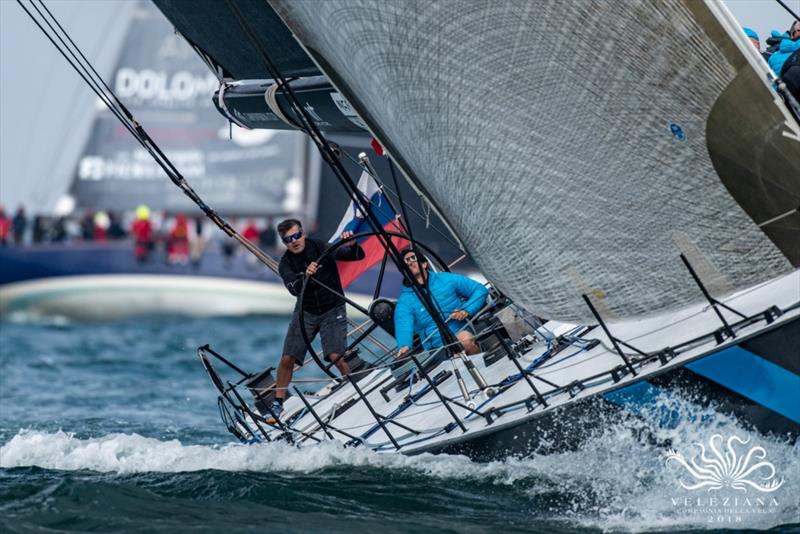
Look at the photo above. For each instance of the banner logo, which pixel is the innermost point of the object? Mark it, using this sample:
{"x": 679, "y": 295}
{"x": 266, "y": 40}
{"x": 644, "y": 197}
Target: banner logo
{"x": 730, "y": 466}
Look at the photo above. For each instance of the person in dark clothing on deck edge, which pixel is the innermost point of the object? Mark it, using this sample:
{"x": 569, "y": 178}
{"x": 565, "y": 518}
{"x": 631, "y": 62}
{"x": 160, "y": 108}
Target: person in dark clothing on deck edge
{"x": 324, "y": 309}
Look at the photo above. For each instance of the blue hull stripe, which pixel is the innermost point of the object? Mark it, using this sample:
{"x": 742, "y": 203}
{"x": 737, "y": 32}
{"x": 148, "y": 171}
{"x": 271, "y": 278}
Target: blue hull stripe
{"x": 643, "y": 398}
{"x": 735, "y": 368}
{"x": 755, "y": 378}
{"x": 636, "y": 397}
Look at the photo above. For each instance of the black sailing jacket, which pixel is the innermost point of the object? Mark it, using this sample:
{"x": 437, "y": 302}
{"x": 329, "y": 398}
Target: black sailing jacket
{"x": 292, "y": 269}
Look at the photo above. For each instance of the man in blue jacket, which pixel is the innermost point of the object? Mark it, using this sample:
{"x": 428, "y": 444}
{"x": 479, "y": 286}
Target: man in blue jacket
{"x": 789, "y": 44}
{"x": 456, "y": 296}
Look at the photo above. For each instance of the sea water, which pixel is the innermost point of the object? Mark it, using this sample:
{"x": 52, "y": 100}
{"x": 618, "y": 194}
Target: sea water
{"x": 114, "y": 427}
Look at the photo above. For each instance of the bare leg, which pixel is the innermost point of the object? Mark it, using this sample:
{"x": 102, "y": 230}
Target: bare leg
{"x": 467, "y": 341}
{"x": 285, "y": 370}
{"x": 340, "y": 364}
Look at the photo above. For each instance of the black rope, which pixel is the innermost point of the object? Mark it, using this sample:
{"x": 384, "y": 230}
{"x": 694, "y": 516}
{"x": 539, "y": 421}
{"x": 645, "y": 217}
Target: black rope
{"x": 89, "y": 74}
{"x": 792, "y": 13}
{"x": 331, "y": 158}
{"x": 448, "y": 238}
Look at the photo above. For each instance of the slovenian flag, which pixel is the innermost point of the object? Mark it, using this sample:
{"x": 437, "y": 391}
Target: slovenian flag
{"x": 354, "y": 221}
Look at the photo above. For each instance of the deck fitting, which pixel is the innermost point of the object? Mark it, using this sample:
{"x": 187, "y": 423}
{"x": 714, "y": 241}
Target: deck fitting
{"x": 772, "y": 313}
{"x": 574, "y": 388}
{"x": 618, "y": 373}
{"x": 666, "y": 354}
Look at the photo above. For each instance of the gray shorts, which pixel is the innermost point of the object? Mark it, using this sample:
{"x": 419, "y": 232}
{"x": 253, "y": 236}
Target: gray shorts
{"x": 331, "y": 326}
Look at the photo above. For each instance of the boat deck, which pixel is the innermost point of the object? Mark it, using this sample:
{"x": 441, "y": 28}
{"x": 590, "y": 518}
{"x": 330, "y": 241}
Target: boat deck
{"x": 430, "y": 414}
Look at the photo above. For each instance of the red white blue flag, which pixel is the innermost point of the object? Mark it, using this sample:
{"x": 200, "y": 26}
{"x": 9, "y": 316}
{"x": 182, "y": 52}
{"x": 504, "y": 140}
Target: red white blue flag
{"x": 354, "y": 221}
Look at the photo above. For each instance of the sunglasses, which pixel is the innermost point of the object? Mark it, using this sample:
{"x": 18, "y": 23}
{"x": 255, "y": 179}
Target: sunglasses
{"x": 292, "y": 237}
{"x": 410, "y": 258}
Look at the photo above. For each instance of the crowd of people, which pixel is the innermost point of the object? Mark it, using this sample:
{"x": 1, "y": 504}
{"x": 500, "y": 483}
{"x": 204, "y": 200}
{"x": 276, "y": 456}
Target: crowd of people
{"x": 182, "y": 238}
{"x": 12, "y": 229}
{"x": 21, "y": 230}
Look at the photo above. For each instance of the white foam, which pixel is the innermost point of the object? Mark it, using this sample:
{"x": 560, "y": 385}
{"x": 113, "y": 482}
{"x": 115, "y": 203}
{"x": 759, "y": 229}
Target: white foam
{"x": 615, "y": 481}
{"x": 132, "y": 453}
{"x": 35, "y": 318}
{"x": 627, "y": 484}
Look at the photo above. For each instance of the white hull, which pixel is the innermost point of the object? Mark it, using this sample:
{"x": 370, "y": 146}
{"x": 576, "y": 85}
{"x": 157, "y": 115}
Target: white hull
{"x": 108, "y": 297}
{"x": 97, "y": 297}
{"x": 589, "y": 367}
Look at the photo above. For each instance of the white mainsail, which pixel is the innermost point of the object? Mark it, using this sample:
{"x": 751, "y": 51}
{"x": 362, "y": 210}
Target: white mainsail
{"x": 565, "y": 142}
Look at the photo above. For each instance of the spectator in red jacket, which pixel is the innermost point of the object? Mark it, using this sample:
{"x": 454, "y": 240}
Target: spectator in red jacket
{"x": 251, "y": 231}
{"x": 5, "y": 227}
{"x": 178, "y": 244}
{"x": 142, "y": 231}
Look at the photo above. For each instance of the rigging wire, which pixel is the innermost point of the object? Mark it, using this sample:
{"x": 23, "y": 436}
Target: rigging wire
{"x": 408, "y": 205}
{"x": 331, "y": 157}
{"x": 792, "y": 13}
{"x": 78, "y": 61}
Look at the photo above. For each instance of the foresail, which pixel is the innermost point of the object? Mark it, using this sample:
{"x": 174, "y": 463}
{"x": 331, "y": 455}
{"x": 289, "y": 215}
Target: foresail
{"x": 589, "y": 124}
{"x": 212, "y": 29}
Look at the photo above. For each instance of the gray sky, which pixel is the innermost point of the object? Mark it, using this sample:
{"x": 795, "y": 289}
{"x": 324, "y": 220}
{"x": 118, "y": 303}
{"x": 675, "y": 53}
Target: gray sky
{"x": 763, "y": 15}
{"x": 46, "y": 111}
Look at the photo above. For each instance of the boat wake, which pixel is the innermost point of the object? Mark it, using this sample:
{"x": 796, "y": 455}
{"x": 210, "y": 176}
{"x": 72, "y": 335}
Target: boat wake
{"x": 620, "y": 479}
{"x": 36, "y": 318}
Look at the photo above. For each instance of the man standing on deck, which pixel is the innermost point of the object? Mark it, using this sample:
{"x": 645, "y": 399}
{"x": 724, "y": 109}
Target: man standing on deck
{"x": 324, "y": 306}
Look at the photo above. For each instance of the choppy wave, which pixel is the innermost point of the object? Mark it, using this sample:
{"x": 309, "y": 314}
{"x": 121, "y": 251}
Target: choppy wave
{"x": 618, "y": 480}
{"x": 107, "y": 471}
{"x": 132, "y": 453}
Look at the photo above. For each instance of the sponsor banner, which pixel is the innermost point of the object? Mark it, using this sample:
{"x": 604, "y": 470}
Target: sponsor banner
{"x": 169, "y": 90}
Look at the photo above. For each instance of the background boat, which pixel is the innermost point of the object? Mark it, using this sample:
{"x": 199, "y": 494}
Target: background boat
{"x": 246, "y": 175}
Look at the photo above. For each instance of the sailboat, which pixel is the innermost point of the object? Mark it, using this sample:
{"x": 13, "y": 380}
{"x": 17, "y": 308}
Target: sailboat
{"x": 631, "y": 197}
{"x": 273, "y": 172}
